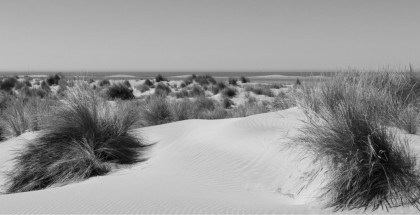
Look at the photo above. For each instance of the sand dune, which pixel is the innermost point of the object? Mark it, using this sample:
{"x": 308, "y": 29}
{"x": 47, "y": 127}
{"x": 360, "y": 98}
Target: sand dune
{"x": 240, "y": 165}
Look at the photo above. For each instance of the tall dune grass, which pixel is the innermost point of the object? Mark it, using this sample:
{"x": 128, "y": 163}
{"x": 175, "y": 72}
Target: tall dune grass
{"x": 348, "y": 132}
{"x": 81, "y": 138}
{"x": 24, "y": 114}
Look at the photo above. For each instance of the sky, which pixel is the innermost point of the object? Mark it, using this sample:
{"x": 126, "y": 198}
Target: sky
{"x": 208, "y": 35}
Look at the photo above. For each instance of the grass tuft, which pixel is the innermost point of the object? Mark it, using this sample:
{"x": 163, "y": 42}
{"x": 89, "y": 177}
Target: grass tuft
{"x": 81, "y": 138}
{"x": 348, "y": 132}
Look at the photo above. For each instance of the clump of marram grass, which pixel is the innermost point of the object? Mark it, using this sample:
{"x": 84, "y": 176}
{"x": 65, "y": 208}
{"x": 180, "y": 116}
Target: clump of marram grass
{"x": 248, "y": 109}
{"x": 24, "y": 114}
{"x": 347, "y": 132}
{"x": 81, "y": 138}
{"x": 156, "y": 110}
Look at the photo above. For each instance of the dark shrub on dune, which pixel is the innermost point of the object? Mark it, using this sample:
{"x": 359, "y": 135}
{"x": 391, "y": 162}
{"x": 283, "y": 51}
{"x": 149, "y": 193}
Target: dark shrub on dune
{"x": 81, "y": 138}
{"x": 196, "y": 91}
{"x": 229, "y": 92}
{"x": 45, "y": 87}
{"x": 104, "y": 82}
{"x": 347, "y": 132}
{"x": 8, "y": 83}
{"x": 160, "y": 78}
{"x": 233, "y": 81}
{"x": 260, "y": 90}
{"x": 127, "y": 83}
{"x": 227, "y": 103}
{"x": 244, "y": 80}
{"x": 218, "y": 87}
{"x": 120, "y": 91}
{"x": 54, "y": 79}
{"x": 182, "y": 94}
{"x": 148, "y": 83}
{"x": 204, "y": 80}
{"x": 162, "y": 90}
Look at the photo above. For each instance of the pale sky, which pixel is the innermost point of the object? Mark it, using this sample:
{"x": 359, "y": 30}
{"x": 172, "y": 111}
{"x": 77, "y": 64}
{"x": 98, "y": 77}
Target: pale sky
{"x": 184, "y": 35}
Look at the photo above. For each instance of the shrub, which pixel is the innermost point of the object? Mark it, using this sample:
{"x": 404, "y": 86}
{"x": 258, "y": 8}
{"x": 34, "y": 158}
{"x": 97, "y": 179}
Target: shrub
{"x": 8, "y": 83}
{"x": 276, "y": 86}
{"x": 127, "y": 83}
{"x": 233, "y": 81}
{"x": 204, "y": 80}
{"x": 298, "y": 82}
{"x": 120, "y": 91}
{"x": 217, "y": 113}
{"x": 248, "y": 109}
{"x": 182, "y": 94}
{"x": 27, "y": 83}
{"x": 203, "y": 103}
{"x": 282, "y": 102}
{"x": 229, "y": 92}
{"x": 143, "y": 88}
{"x": 160, "y": 78}
{"x": 189, "y": 80}
{"x": 45, "y": 87}
{"x": 54, "y": 79}
{"x": 156, "y": 111}
{"x": 197, "y": 91}
{"x": 244, "y": 80}
{"x": 82, "y": 138}
{"x": 227, "y": 103}
{"x": 24, "y": 114}
{"x": 148, "y": 83}
{"x": 104, "y": 82}
{"x": 260, "y": 90}
{"x": 347, "y": 133}
{"x": 183, "y": 110}
{"x": 162, "y": 90}
{"x": 218, "y": 87}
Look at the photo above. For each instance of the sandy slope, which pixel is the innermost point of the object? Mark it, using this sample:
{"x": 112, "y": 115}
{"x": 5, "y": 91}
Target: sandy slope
{"x": 196, "y": 166}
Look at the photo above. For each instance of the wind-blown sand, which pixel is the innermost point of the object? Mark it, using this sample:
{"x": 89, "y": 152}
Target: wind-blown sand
{"x": 224, "y": 166}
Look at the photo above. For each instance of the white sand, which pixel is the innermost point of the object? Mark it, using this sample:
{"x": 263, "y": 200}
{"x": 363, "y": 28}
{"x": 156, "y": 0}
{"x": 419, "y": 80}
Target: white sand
{"x": 224, "y": 166}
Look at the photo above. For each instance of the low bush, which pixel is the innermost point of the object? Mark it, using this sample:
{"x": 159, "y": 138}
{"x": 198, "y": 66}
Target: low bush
{"x": 160, "y": 78}
{"x": 197, "y": 91}
{"x": 205, "y": 80}
{"x": 244, "y": 80}
{"x": 182, "y": 94}
{"x": 148, "y": 83}
{"x": 82, "y": 137}
{"x": 120, "y": 91}
{"x": 162, "y": 90}
{"x": 233, "y": 81}
{"x": 218, "y": 87}
{"x": 143, "y": 88}
{"x": 8, "y": 84}
{"x": 227, "y": 103}
{"x": 54, "y": 79}
{"x": 248, "y": 109}
{"x": 156, "y": 110}
{"x": 127, "y": 83}
{"x": 104, "y": 83}
{"x": 260, "y": 90}
{"x": 183, "y": 110}
{"x": 229, "y": 92}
